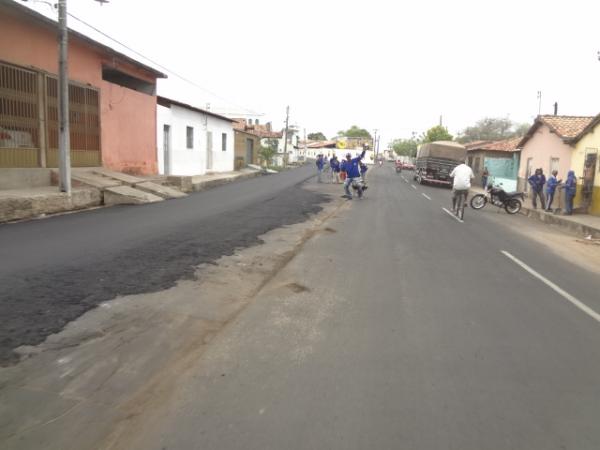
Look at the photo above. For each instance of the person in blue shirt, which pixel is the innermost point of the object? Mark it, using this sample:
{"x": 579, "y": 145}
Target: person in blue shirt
{"x": 351, "y": 167}
{"x": 537, "y": 181}
{"x": 334, "y": 163}
{"x": 570, "y": 191}
{"x": 551, "y": 185}
{"x": 320, "y": 165}
{"x": 363, "y": 173}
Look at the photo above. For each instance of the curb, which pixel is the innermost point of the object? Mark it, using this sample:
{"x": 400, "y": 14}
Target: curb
{"x": 576, "y": 227}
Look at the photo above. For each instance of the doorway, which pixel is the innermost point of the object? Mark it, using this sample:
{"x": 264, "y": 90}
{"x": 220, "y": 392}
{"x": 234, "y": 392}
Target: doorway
{"x": 589, "y": 174}
{"x": 209, "y": 150}
{"x": 167, "y": 149}
{"x": 249, "y": 151}
{"x": 528, "y": 169}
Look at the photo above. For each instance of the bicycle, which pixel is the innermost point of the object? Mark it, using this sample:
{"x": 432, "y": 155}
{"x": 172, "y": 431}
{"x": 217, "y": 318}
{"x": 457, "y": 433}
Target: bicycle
{"x": 459, "y": 199}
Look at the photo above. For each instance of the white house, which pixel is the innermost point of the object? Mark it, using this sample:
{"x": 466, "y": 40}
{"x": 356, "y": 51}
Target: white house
{"x": 191, "y": 140}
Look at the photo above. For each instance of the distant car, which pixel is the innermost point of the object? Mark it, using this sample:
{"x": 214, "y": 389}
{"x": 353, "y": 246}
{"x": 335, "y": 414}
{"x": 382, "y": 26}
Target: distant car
{"x": 408, "y": 166}
{"x": 15, "y": 139}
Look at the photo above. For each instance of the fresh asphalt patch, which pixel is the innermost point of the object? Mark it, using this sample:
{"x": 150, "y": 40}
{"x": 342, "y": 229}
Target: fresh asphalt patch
{"x": 41, "y": 301}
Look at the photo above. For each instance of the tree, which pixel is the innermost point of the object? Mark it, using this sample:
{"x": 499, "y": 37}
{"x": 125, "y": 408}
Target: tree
{"x": 492, "y": 129}
{"x": 355, "y": 131}
{"x": 266, "y": 154}
{"x": 405, "y": 147}
{"x": 316, "y": 136}
{"x": 437, "y": 133}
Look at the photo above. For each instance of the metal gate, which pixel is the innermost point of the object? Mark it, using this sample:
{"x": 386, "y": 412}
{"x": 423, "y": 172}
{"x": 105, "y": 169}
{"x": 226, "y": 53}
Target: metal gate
{"x": 19, "y": 117}
{"x": 84, "y": 123}
{"x": 29, "y": 120}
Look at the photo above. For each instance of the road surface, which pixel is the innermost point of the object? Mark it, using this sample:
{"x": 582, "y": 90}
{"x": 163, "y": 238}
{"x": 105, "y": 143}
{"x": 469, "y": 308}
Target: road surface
{"x": 54, "y": 270}
{"x": 404, "y": 329}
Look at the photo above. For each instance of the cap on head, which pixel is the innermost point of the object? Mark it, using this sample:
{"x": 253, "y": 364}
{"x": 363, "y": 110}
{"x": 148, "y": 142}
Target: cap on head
{"x": 348, "y": 155}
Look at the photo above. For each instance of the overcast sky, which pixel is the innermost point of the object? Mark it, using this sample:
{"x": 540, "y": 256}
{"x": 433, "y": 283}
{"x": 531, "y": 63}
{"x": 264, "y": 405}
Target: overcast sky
{"x": 379, "y": 64}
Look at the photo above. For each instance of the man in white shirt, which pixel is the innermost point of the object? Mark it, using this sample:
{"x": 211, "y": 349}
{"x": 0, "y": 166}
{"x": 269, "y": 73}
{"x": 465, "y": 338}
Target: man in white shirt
{"x": 462, "y": 175}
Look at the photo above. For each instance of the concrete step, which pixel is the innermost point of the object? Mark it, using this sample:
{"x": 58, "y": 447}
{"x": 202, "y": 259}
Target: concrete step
{"x": 94, "y": 180}
{"x": 159, "y": 190}
{"x": 120, "y": 176}
{"x": 127, "y": 195}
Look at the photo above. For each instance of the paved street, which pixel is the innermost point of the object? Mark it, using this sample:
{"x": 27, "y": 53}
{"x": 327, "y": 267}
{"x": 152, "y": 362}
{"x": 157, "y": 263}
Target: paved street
{"x": 54, "y": 270}
{"x": 395, "y": 327}
{"x": 405, "y": 329}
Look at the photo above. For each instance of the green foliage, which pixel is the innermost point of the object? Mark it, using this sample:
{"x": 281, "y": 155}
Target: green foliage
{"x": 355, "y": 131}
{"x": 437, "y": 133}
{"x": 492, "y": 129}
{"x": 405, "y": 147}
{"x": 266, "y": 154}
{"x": 316, "y": 136}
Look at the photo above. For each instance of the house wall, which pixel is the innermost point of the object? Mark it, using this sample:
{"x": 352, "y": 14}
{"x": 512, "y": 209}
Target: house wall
{"x": 542, "y": 147}
{"x": 502, "y": 167}
{"x": 590, "y": 143}
{"x": 184, "y": 161}
{"x": 127, "y": 117}
{"x": 240, "y": 149}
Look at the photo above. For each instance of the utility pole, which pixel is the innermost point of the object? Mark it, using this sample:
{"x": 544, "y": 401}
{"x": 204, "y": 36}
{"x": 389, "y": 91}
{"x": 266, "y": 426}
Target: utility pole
{"x": 305, "y": 144}
{"x": 375, "y": 142}
{"x": 285, "y": 136}
{"x": 64, "y": 147}
{"x": 539, "y": 96}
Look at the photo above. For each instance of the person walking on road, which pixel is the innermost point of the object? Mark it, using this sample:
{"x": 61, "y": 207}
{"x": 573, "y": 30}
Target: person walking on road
{"x": 537, "y": 181}
{"x": 363, "y": 173}
{"x": 351, "y": 167}
{"x": 334, "y": 163}
{"x": 570, "y": 191}
{"x": 326, "y": 167}
{"x": 551, "y": 185}
{"x": 320, "y": 164}
{"x": 484, "y": 177}
{"x": 461, "y": 184}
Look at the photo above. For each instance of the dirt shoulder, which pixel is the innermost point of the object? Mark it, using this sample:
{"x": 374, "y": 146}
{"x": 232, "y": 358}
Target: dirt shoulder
{"x": 88, "y": 383}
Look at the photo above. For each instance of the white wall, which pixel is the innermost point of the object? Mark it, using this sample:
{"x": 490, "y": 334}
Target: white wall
{"x": 184, "y": 161}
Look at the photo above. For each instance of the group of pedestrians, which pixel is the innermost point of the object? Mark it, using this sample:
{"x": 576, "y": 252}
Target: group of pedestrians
{"x": 537, "y": 181}
{"x": 347, "y": 170}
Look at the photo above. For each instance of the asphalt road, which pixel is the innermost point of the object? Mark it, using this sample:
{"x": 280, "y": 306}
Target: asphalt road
{"x": 405, "y": 330}
{"x": 53, "y": 270}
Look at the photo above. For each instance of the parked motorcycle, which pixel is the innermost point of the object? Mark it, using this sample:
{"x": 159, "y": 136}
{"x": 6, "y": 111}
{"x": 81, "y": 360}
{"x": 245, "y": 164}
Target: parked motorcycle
{"x": 500, "y": 198}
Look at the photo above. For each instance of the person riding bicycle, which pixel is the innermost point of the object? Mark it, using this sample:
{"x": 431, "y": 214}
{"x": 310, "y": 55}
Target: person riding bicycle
{"x": 462, "y": 175}
{"x": 351, "y": 167}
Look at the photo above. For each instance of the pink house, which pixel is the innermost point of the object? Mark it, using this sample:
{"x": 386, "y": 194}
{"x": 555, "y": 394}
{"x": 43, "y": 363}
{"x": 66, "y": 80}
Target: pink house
{"x": 549, "y": 145}
{"x": 112, "y": 99}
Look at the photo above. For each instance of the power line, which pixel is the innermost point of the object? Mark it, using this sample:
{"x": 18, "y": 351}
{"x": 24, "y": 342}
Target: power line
{"x": 158, "y": 64}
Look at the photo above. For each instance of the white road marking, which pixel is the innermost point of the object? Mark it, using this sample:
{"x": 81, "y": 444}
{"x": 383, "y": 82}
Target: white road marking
{"x": 453, "y": 215}
{"x": 413, "y": 186}
{"x": 403, "y": 178}
{"x": 582, "y": 306}
{"x": 426, "y": 196}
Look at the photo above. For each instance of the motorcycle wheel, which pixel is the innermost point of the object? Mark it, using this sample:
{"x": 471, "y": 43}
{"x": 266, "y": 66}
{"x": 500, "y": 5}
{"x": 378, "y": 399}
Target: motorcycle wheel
{"x": 478, "y": 201}
{"x": 513, "y": 206}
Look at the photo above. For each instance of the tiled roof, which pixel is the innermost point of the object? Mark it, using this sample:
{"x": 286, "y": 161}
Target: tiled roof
{"x": 257, "y": 130}
{"x": 566, "y": 127}
{"x": 504, "y": 145}
{"x": 475, "y": 145}
{"x": 321, "y": 144}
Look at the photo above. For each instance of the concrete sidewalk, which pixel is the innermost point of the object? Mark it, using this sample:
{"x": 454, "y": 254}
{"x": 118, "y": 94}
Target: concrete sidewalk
{"x": 38, "y": 201}
{"x": 582, "y": 224}
{"x": 19, "y": 204}
{"x": 196, "y": 183}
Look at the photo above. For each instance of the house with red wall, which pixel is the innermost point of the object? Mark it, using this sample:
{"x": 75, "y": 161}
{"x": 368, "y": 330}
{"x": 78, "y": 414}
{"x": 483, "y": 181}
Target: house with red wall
{"x": 112, "y": 98}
